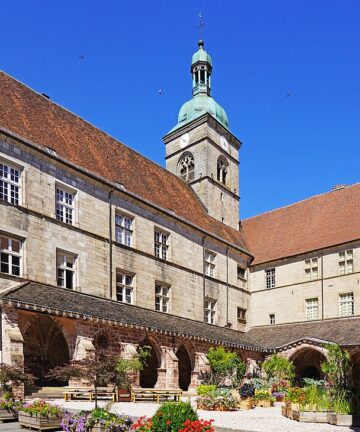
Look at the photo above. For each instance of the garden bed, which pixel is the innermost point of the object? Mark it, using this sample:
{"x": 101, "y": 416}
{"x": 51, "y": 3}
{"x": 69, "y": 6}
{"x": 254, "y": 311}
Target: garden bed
{"x": 38, "y": 422}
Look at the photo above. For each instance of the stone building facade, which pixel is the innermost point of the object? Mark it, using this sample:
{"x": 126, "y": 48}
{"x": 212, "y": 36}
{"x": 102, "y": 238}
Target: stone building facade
{"x": 100, "y": 247}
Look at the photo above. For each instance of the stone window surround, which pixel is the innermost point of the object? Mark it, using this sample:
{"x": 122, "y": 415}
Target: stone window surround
{"x": 62, "y": 265}
{"x": 161, "y": 243}
{"x": 312, "y": 309}
{"x": 272, "y": 318}
{"x": 241, "y": 315}
{"x": 127, "y": 286}
{"x": 15, "y": 165}
{"x": 162, "y": 297}
{"x": 210, "y": 310}
{"x": 209, "y": 263}
{"x": 312, "y": 268}
{"x": 10, "y": 254}
{"x": 66, "y": 189}
{"x": 270, "y": 275}
{"x": 346, "y": 304}
{"x": 346, "y": 261}
{"x": 124, "y": 229}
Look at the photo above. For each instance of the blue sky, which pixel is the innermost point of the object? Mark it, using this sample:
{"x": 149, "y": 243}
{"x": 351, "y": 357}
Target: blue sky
{"x": 287, "y": 73}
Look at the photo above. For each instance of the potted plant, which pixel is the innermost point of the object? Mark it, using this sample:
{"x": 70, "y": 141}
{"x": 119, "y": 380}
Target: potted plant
{"x": 97, "y": 420}
{"x": 263, "y": 399}
{"x": 11, "y": 377}
{"x": 124, "y": 369}
{"x": 247, "y": 392}
{"x": 40, "y": 415}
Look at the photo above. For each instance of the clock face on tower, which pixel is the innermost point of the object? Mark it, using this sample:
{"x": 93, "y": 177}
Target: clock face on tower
{"x": 223, "y": 142}
{"x": 184, "y": 140}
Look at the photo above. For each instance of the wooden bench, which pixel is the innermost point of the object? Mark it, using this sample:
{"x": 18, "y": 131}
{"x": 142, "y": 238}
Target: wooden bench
{"x": 89, "y": 393}
{"x": 155, "y": 395}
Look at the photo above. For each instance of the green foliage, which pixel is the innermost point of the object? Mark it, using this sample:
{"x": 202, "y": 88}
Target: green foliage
{"x": 12, "y": 376}
{"x": 295, "y": 395}
{"x": 225, "y": 364}
{"x": 41, "y": 408}
{"x": 316, "y": 398}
{"x": 124, "y": 368}
{"x": 171, "y": 416}
{"x": 217, "y": 402}
{"x": 205, "y": 389}
{"x": 341, "y": 402}
{"x": 313, "y": 382}
{"x": 337, "y": 368}
{"x": 263, "y": 395}
{"x": 279, "y": 367}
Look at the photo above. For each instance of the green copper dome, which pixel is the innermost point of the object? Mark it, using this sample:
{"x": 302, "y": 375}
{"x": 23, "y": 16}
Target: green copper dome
{"x": 199, "y": 105}
{"x": 201, "y": 102}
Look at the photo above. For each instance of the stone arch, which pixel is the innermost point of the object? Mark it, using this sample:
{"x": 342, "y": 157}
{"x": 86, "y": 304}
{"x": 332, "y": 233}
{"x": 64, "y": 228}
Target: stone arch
{"x": 222, "y": 169}
{"x": 307, "y": 361}
{"x": 45, "y": 347}
{"x": 149, "y": 374}
{"x": 355, "y": 368}
{"x": 186, "y": 363}
{"x": 186, "y": 166}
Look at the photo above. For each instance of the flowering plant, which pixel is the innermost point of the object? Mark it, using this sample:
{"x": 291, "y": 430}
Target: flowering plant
{"x": 198, "y": 426}
{"x": 41, "y": 408}
{"x": 83, "y": 421}
{"x": 9, "y": 405}
{"x": 143, "y": 424}
{"x": 217, "y": 403}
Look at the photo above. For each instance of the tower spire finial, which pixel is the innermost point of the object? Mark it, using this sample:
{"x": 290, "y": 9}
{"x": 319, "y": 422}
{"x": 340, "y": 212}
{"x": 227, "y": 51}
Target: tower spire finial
{"x": 200, "y": 26}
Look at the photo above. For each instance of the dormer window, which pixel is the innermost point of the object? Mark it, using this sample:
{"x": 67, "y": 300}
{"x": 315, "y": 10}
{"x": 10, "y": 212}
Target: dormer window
{"x": 222, "y": 170}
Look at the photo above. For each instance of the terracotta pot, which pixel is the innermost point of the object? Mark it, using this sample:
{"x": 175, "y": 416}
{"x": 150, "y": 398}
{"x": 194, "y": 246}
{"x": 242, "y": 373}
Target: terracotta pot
{"x": 124, "y": 395}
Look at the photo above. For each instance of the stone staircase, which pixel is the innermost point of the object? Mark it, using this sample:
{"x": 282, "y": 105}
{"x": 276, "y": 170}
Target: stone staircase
{"x": 47, "y": 393}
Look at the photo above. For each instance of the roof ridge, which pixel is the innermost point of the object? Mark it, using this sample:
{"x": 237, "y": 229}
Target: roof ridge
{"x": 300, "y": 201}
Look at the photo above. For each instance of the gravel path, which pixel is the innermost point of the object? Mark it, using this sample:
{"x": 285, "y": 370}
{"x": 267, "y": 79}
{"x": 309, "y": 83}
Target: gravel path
{"x": 255, "y": 420}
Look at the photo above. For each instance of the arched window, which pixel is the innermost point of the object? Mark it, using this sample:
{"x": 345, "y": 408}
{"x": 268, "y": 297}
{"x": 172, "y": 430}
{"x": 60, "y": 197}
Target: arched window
{"x": 187, "y": 166}
{"x": 222, "y": 169}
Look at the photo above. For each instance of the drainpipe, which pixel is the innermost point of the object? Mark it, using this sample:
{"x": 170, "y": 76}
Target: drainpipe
{"x": 110, "y": 246}
{"x": 322, "y": 288}
{"x": 227, "y": 286}
{"x": 203, "y": 246}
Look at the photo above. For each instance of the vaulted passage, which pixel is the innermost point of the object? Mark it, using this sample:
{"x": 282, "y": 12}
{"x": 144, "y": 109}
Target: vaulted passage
{"x": 44, "y": 348}
{"x": 307, "y": 363}
{"x": 149, "y": 375}
{"x": 184, "y": 367}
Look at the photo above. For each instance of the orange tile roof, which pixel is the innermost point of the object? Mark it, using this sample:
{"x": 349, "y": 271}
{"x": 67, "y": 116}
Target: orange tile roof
{"x": 318, "y": 222}
{"x": 35, "y": 118}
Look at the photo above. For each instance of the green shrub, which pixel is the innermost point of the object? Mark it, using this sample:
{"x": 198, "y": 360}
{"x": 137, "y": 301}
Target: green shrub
{"x": 205, "y": 389}
{"x": 279, "y": 367}
{"x": 171, "y": 416}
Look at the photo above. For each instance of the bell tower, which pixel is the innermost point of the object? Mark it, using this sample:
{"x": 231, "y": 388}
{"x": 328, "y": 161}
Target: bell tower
{"x": 202, "y": 151}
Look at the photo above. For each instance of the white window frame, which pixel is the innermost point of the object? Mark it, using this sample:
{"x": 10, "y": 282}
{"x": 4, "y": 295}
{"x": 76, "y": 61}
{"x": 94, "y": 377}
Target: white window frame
{"x": 241, "y": 314}
{"x": 62, "y": 266}
{"x": 346, "y": 262}
{"x": 124, "y": 229}
{"x": 67, "y": 209}
{"x": 210, "y": 310}
{"x": 346, "y": 304}
{"x": 11, "y": 255}
{"x": 11, "y": 182}
{"x": 272, "y": 319}
{"x": 210, "y": 263}
{"x": 162, "y": 297}
{"x": 125, "y": 287}
{"x": 161, "y": 244}
{"x": 312, "y": 309}
{"x": 312, "y": 269}
{"x": 270, "y": 275}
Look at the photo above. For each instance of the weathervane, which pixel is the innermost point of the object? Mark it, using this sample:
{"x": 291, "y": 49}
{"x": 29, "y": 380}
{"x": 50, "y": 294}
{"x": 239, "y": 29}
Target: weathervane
{"x": 201, "y": 23}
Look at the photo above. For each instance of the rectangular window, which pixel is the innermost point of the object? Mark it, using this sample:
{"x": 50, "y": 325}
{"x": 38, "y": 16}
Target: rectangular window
{"x": 210, "y": 311}
{"x": 210, "y": 263}
{"x": 10, "y": 255}
{"x": 124, "y": 287}
{"x": 65, "y": 209}
{"x": 272, "y": 318}
{"x": 346, "y": 263}
{"x": 311, "y": 269}
{"x": 123, "y": 229}
{"x": 312, "y": 309}
{"x": 161, "y": 244}
{"x": 65, "y": 264}
{"x": 346, "y": 304}
{"x": 9, "y": 183}
{"x": 241, "y": 272}
{"x": 270, "y": 278}
{"x": 241, "y": 315}
{"x": 162, "y": 298}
